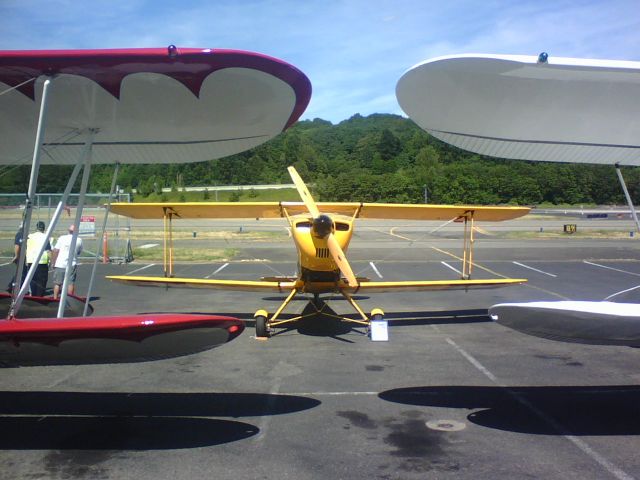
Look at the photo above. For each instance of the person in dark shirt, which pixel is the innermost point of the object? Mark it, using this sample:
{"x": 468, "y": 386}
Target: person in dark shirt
{"x": 17, "y": 245}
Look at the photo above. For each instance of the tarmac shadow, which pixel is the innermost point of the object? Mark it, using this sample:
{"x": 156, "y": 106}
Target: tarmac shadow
{"x": 326, "y": 324}
{"x": 134, "y": 421}
{"x": 119, "y": 433}
{"x": 574, "y": 410}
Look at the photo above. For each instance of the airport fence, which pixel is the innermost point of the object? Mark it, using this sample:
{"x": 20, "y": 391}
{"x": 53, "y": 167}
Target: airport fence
{"x": 117, "y": 237}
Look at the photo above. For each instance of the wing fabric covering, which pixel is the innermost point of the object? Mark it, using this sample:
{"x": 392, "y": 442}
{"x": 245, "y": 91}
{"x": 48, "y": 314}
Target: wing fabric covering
{"x": 276, "y": 209}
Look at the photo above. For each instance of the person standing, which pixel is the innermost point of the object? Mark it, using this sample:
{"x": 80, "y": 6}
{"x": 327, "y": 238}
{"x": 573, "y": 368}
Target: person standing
{"x": 60, "y": 260}
{"x": 17, "y": 245}
{"x": 35, "y": 241}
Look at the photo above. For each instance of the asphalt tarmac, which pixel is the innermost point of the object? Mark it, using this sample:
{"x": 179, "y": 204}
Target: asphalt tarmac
{"x": 450, "y": 395}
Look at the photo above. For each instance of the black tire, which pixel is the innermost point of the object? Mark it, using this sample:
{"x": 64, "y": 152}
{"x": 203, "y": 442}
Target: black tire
{"x": 261, "y": 327}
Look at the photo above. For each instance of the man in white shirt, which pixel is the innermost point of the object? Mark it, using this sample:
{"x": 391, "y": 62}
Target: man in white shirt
{"x": 60, "y": 260}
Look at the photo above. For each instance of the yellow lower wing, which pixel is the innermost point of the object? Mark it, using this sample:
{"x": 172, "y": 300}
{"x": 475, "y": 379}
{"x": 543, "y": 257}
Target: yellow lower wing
{"x": 240, "y": 285}
{"x": 288, "y": 284}
{"x": 423, "y": 285}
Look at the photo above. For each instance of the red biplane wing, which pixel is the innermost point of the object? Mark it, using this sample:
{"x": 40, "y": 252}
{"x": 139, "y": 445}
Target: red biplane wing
{"x": 147, "y": 105}
{"x": 112, "y": 339}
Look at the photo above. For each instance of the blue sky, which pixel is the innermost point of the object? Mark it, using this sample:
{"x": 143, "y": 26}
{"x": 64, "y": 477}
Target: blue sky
{"x": 353, "y": 51}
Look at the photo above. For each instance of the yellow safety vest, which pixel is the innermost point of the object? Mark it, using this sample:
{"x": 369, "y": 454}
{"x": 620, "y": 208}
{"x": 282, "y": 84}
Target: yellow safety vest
{"x": 34, "y": 242}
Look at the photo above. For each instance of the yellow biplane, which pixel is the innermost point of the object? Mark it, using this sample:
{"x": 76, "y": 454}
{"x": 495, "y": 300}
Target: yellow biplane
{"x": 321, "y": 233}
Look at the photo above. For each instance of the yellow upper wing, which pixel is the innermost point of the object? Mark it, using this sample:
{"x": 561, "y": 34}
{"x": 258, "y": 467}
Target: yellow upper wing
{"x": 199, "y": 210}
{"x": 393, "y": 211}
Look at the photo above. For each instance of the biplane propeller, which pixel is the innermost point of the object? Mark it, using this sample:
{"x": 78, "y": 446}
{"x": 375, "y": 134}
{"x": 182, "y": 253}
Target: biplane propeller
{"x": 323, "y": 227}
{"x": 322, "y": 233}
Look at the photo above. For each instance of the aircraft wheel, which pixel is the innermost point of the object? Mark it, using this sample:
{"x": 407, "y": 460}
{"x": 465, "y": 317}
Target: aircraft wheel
{"x": 377, "y": 314}
{"x": 262, "y": 330}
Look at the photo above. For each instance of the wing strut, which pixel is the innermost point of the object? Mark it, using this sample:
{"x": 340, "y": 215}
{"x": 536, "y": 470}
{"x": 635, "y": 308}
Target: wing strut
{"x": 52, "y": 225}
{"x": 167, "y": 249}
{"x": 467, "y": 255}
{"x": 628, "y": 197}
{"x": 86, "y": 172}
{"x": 104, "y": 227}
{"x": 33, "y": 182}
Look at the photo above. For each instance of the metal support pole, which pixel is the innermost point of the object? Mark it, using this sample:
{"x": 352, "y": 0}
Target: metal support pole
{"x": 76, "y": 230}
{"x": 164, "y": 243}
{"x": 628, "y": 197}
{"x": 33, "y": 181}
{"x": 104, "y": 226}
{"x": 465, "y": 247}
{"x": 471, "y": 242}
{"x": 170, "y": 245}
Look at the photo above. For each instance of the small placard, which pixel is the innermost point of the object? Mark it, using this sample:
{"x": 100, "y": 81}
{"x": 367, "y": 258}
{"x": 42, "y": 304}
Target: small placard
{"x": 87, "y": 225}
{"x": 379, "y": 331}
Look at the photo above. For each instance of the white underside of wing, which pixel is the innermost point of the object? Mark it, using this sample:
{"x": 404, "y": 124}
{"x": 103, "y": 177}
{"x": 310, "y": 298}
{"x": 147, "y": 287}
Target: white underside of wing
{"x": 602, "y": 308}
{"x": 597, "y": 323}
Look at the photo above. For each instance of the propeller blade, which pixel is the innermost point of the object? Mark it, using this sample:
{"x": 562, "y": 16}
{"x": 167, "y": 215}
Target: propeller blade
{"x": 341, "y": 260}
{"x": 304, "y": 192}
{"x": 334, "y": 247}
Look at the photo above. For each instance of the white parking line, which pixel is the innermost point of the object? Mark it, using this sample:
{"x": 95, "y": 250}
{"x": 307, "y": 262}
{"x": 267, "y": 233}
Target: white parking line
{"x": 621, "y": 292}
{"x": 218, "y": 270}
{"x": 141, "y": 268}
{"x": 5, "y": 264}
{"x": 535, "y": 269}
{"x": 375, "y": 269}
{"x": 579, "y": 443}
{"x": 452, "y": 268}
{"x": 611, "y": 268}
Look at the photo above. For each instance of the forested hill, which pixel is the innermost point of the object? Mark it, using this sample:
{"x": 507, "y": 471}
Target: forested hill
{"x": 376, "y": 158}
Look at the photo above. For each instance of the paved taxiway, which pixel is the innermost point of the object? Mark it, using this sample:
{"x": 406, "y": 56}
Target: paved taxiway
{"x": 451, "y": 395}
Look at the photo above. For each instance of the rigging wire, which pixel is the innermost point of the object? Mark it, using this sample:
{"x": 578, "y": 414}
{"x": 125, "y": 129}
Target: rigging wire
{"x": 65, "y": 137}
{"x": 17, "y": 86}
{"x": 421, "y": 237}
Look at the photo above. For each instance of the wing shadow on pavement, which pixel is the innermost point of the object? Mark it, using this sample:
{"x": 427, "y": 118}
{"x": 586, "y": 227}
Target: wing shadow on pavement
{"x": 553, "y": 410}
{"x": 134, "y": 421}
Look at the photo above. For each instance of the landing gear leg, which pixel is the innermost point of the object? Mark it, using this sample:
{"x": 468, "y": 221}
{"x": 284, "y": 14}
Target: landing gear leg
{"x": 264, "y": 323}
{"x": 317, "y": 302}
